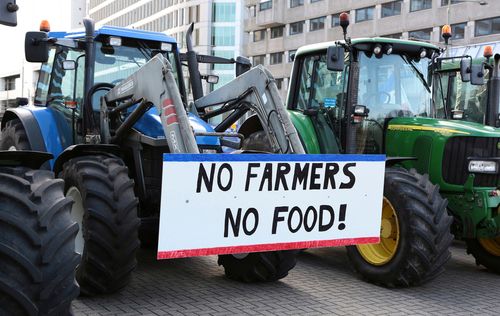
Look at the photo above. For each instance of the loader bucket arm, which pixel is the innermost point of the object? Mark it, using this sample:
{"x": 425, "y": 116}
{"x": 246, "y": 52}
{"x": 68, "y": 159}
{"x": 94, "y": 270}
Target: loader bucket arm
{"x": 155, "y": 83}
{"x": 257, "y": 90}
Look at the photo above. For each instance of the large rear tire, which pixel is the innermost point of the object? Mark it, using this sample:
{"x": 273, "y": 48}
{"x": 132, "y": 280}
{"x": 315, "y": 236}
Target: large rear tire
{"x": 14, "y": 136}
{"x": 486, "y": 252}
{"x": 106, "y": 208}
{"x": 415, "y": 234}
{"x": 258, "y": 266}
{"x": 37, "y": 240}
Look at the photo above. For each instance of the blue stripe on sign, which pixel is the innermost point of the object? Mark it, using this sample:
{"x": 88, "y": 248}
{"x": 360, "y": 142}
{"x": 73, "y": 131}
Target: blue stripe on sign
{"x": 270, "y": 157}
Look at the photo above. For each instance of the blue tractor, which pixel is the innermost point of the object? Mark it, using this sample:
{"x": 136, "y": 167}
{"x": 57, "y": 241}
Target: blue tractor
{"x": 97, "y": 110}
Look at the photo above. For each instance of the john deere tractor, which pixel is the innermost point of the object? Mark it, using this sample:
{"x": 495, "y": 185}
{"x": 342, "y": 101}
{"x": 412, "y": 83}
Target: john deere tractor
{"x": 370, "y": 96}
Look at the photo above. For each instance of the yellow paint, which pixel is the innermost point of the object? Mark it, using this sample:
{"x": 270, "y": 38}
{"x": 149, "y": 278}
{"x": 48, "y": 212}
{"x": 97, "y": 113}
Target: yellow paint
{"x": 491, "y": 245}
{"x": 381, "y": 253}
{"x": 441, "y": 130}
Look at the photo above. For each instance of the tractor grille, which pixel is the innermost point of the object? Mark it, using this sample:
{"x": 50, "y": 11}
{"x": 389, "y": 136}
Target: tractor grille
{"x": 455, "y": 159}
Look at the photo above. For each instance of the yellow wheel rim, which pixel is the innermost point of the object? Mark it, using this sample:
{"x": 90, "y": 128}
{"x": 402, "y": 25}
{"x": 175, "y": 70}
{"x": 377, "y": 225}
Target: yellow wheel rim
{"x": 381, "y": 253}
{"x": 491, "y": 245}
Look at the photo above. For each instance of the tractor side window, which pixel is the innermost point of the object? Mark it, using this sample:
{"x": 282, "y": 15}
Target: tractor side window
{"x": 305, "y": 82}
{"x": 440, "y": 93}
{"x": 66, "y": 85}
{"x": 42, "y": 88}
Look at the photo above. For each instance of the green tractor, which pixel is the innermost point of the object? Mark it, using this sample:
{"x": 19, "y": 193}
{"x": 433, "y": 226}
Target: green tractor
{"x": 372, "y": 96}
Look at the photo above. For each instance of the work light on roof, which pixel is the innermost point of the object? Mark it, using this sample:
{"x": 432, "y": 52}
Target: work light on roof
{"x": 166, "y": 47}
{"x": 115, "y": 41}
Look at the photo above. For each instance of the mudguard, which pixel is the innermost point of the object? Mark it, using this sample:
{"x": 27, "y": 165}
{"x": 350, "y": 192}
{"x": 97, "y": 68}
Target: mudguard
{"x": 26, "y": 158}
{"x": 85, "y": 150}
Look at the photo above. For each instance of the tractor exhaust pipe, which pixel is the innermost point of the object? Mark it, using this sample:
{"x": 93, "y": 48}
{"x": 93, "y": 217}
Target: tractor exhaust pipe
{"x": 494, "y": 94}
{"x": 192, "y": 60}
{"x": 89, "y": 74}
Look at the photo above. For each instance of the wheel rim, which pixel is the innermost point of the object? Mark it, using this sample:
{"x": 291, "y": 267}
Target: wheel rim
{"x": 491, "y": 245}
{"x": 385, "y": 250}
{"x": 77, "y": 212}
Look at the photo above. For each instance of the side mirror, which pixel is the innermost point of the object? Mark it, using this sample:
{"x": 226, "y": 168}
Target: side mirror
{"x": 36, "y": 47}
{"x": 335, "y": 58}
{"x": 69, "y": 65}
{"x": 477, "y": 74}
{"x": 465, "y": 69}
{"x": 213, "y": 79}
{"x": 21, "y": 101}
{"x": 243, "y": 64}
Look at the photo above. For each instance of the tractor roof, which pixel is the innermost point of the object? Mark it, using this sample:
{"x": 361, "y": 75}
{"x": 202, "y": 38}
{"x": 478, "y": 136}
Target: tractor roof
{"x": 119, "y": 31}
{"x": 360, "y": 41}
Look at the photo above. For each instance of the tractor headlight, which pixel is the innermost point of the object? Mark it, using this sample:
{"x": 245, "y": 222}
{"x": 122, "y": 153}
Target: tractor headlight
{"x": 483, "y": 166}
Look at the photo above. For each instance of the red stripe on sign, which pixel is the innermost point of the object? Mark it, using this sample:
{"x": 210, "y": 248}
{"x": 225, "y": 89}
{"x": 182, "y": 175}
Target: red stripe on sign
{"x": 265, "y": 247}
{"x": 171, "y": 119}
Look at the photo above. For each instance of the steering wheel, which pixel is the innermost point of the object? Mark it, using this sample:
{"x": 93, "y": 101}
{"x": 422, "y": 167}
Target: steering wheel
{"x": 400, "y": 113}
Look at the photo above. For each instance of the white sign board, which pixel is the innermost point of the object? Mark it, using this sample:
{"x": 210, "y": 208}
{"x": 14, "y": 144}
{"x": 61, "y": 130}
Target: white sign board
{"x": 233, "y": 203}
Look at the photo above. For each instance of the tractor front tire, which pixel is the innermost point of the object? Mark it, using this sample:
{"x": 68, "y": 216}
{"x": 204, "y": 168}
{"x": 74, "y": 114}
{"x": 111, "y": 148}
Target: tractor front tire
{"x": 486, "y": 252}
{"x": 258, "y": 266}
{"x": 14, "y": 136}
{"x": 106, "y": 209}
{"x": 415, "y": 234}
{"x": 37, "y": 244}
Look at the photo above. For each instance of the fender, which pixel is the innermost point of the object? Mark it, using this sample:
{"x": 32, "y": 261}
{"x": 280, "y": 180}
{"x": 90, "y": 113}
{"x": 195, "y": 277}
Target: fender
{"x": 391, "y": 161}
{"x": 251, "y": 125}
{"x": 85, "y": 150}
{"x": 26, "y": 158}
{"x": 30, "y": 125}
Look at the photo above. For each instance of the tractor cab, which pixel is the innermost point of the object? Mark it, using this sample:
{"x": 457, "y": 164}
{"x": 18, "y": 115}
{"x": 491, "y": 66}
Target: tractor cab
{"x": 381, "y": 80}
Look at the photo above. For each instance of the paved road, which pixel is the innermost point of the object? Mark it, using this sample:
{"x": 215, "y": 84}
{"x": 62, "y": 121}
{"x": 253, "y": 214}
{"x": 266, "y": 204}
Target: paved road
{"x": 321, "y": 283}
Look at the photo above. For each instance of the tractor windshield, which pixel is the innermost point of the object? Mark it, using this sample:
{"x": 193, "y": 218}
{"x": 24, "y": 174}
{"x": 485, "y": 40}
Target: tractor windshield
{"x": 394, "y": 85}
{"x": 452, "y": 94}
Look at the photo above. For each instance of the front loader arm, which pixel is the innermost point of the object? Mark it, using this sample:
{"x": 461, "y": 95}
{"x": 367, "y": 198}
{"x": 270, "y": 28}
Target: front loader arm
{"x": 154, "y": 83}
{"x": 257, "y": 90}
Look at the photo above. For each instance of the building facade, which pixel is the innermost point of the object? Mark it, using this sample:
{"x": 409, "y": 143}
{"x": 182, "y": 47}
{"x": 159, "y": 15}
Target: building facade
{"x": 276, "y": 28}
{"x": 218, "y": 28}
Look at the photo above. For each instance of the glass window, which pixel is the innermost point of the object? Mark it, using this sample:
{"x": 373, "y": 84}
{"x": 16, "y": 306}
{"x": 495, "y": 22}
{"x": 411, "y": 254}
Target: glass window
{"x": 396, "y": 35}
{"x": 279, "y": 83}
{"x": 277, "y": 31}
{"x": 488, "y": 26}
{"x": 364, "y": 14}
{"x": 223, "y": 12}
{"x": 296, "y": 28}
{"x": 259, "y": 60}
{"x": 424, "y": 34}
{"x": 291, "y": 55}
{"x": 417, "y": 5}
{"x": 336, "y": 19}
{"x": 317, "y": 23}
{"x": 391, "y": 8}
{"x": 445, "y": 2}
{"x": 457, "y": 31}
{"x": 259, "y": 35}
{"x": 312, "y": 1}
{"x": 276, "y": 58}
{"x": 265, "y": 5}
{"x": 225, "y": 54}
{"x": 296, "y": 3}
{"x": 223, "y": 36}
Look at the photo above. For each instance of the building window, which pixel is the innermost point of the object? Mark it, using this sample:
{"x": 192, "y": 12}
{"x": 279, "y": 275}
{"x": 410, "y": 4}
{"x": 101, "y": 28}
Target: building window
{"x": 444, "y": 3}
{"x": 488, "y": 26}
{"x": 277, "y": 31}
{"x": 225, "y": 54}
{"x": 417, "y": 5}
{"x": 223, "y": 36}
{"x": 396, "y": 35}
{"x": 312, "y": 1}
{"x": 296, "y": 28}
{"x": 223, "y": 12}
{"x": 457, "y": 32}
{"x": 259, "y": 60}
{"x": 296, "y": 3}
{"x": 276, "y": 58}
{"x": 317, "y": 23}
{"x": 335, "y": 20}
{"x": 364, "y": 14}
{"x": 424, "y": 34}
{"x": 259, "y": 35}
{"x": 391, "y": 8}
{"x": 279, "y": 83}
{"x": 265, "y": 5}
{"x": 10, "y": 83}
{"x": 252, "y": 11}
{"x": 291, "y": 55}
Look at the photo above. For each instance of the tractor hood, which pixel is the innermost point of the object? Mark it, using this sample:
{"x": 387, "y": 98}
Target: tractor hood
{"x": 446, "y": 128}
{"x": 150, "y": 125}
